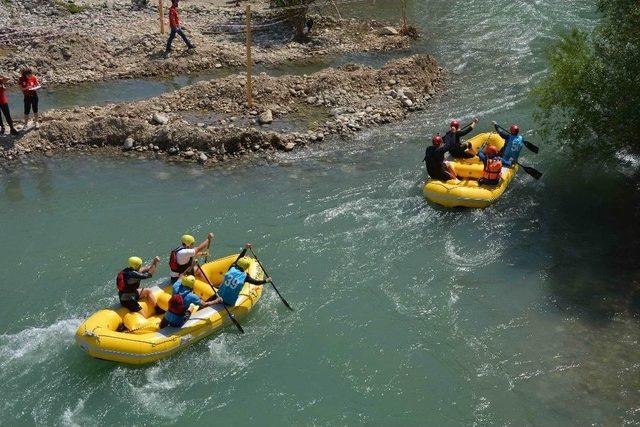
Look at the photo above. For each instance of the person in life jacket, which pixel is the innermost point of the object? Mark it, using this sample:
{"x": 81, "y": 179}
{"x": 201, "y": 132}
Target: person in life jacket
{"x": 451, "y": 139}
{"x": 437, "y": 167}
{"x": 183, "y": 303}
{"x": 128, "y": 283}
{"x": 181, "y": 258}
{"x": 235, "y": 278}
{"x": 514, "y": 142}
{"x": 492, "y": 166}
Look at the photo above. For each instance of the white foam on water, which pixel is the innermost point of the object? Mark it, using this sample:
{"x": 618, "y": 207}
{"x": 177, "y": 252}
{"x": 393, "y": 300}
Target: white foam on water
{"x": 34, "y": 345}
{"x": 150, "y": 389}
{"x": 74, "y": 418}
{"x": 224, "y": 354}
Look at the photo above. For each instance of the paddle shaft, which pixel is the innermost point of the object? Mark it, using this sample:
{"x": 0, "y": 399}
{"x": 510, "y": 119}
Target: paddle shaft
{"x": 272, "y": 284}
{"x": 215, "y": 294}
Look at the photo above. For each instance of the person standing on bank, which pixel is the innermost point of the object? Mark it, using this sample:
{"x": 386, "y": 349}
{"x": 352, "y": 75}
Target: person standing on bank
{"x": 4, "y": 108}
{"x": 29, "y": 85}
{"x": 174, "y": 23}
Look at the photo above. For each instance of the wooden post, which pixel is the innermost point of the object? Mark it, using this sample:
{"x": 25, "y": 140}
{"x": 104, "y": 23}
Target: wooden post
{"x": 404, "y": 15}
{"x": 337, "y": 10}
{"x": 161, "y": 13}
{"x": 249, "y": 60}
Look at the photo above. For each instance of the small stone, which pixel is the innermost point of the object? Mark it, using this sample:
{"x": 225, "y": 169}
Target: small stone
{"x": 388, "y": 31}
{"x": 48, "y": 153}
{"x": 407, "y": 102}
{"x": 189, "y": 154}
{"x": 202, "y": 157}
{"x": 289, "y": 146}
{"x": 128, "y": 143}
{"x": 173, "y": 150}
{"x": 392, "y": 82}
{"x": 311, "y": 100}
{"x": 200, "y": 125}
{"x": 218, "y": 65}
{"x": 266, "y": 118}
{"x": 160, "y": 119}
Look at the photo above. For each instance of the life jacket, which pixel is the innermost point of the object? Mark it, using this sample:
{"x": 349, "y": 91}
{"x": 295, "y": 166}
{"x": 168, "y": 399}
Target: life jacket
{"x": 232, "y": 285}
{"x": 176, "y": 305}
{"x": 492, "y": 169}
{"x": 124, "y": 283}
{"x": 513, "y": 147}
{"x": 173, "y": 261}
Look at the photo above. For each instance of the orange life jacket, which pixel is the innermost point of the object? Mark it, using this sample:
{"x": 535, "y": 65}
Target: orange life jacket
{"x": 492, "y": 169}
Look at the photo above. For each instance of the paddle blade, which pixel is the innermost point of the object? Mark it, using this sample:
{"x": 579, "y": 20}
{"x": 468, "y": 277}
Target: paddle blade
{"x": 531, "y": 146}
{"x": 235, "y": 322}
{"x": 533, "y": 172}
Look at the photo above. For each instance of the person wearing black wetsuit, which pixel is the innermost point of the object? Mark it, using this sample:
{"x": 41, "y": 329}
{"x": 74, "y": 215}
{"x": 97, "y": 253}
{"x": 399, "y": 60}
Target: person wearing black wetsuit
{"x": 452, "y": 140}
{"x": 437, "y": 168}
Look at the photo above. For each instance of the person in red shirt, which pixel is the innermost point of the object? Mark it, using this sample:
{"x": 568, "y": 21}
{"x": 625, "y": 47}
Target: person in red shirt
{"x": 4, "y": 108}
{"x": 174, "y": 23}
{"x": 29, "y": 85}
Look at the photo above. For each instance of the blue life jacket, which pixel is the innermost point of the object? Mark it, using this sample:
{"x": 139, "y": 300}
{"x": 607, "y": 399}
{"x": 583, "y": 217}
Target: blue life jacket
{"x": 232, "y": 285}
{"x": 512, "y": 147}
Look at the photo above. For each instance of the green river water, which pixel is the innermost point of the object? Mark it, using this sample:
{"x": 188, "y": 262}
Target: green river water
{"x": 406, "y": 313}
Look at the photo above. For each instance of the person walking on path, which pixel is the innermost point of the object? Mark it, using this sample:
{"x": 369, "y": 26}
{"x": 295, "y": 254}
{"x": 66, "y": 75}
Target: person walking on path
{"x": 174, "y": 23}
{"x": 29, "y": 85}
{"x": 4, "y": 108}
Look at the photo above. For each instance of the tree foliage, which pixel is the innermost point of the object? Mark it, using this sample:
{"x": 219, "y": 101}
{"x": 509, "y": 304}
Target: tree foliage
{"x": 592, "y": 91}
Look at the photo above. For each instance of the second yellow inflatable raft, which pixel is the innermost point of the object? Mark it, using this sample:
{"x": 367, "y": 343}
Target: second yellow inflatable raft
{"x": 142, "y": 341}
{"x": 466, "y": 192}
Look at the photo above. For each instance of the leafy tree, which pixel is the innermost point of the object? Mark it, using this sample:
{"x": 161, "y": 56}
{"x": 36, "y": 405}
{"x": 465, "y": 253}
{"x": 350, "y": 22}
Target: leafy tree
{"x": 592, "y": 91}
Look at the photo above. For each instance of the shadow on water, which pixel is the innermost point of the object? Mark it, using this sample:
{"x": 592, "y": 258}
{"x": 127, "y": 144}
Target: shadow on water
{"x": 592, "y": 240}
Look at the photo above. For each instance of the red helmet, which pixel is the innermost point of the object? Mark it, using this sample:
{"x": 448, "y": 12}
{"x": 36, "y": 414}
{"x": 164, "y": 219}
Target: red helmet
{"x": 436, "y": 139}
{"x": 455, "y": 124}
{"x": 514, "y": 129}
{"x": 490, "y": 150}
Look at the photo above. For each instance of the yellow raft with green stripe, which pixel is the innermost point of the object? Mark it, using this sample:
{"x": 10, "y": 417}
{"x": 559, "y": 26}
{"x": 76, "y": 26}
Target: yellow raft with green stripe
{"x": 467, "y": 192}
{"x": 142, "y": 340}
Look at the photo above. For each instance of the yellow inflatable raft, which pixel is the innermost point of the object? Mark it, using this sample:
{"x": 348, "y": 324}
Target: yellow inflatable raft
{"x": 467, "y": 192}
{"x": 142, "y": 340}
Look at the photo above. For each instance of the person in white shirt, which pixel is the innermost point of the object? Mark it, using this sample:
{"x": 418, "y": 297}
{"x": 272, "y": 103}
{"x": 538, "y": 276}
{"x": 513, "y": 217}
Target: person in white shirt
{"x": 181, "y": 258}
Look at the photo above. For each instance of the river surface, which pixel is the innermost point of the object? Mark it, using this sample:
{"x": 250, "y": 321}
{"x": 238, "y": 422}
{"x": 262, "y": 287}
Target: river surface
{"x": 523, "y": 313}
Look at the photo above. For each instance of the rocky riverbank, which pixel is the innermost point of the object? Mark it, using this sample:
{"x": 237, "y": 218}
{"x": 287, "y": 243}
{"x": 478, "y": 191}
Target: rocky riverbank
{"x": 92, "y": 40}
{"x": 210, "y": 122}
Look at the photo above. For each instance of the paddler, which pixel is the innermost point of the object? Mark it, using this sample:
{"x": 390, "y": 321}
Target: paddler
{"x": 437, "y": 167}
{"x": 128, "y": 283}
{"x": 183, "y": 303}
{"x": 451, "y": 139}
{"x": 492, "y": 166}
{"x": 181, "y": 258}
{"x": 513, "y": 143}
{"x": 235, "y": 278}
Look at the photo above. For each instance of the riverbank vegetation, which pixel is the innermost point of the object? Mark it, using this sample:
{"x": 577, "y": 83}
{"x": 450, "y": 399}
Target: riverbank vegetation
{"x": 591, "y": 97}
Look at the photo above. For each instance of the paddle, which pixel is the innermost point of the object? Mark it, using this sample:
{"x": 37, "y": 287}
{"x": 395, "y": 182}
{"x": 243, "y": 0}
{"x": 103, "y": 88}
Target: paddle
{"x": 272, "y": 284}
{"x": 531, "y": 171}
{"x": 531, "y": 146}
{"x": 206, "y": 258}
{"x": 215, "y": 294}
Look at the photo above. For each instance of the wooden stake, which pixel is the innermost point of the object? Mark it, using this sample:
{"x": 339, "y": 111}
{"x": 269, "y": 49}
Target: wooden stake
{"x": 337, "y": 10}
{"x": 249, "y": 60}
{"x": 404, "y": 15}
{"x": 161, "y": 13}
